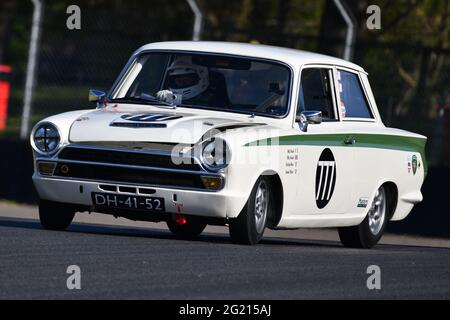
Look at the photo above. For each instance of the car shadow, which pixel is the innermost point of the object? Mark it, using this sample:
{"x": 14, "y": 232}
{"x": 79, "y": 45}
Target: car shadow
{"x": 150, "y": 233}
{"x": 204, "y": 238}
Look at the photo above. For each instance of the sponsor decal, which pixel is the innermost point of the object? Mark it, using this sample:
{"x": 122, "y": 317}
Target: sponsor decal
{"x": 325, "y": 178}
{"x": 414, "y": 164}
{"x": 409, "y": 164}
{"x": 292, "y": 159}
{"x": 343, "y": 110}
{"x": 363, "y": 202}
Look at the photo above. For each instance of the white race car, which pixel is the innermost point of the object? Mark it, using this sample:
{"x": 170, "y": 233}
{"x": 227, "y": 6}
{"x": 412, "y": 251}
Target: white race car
{"x": 249, "y": 136}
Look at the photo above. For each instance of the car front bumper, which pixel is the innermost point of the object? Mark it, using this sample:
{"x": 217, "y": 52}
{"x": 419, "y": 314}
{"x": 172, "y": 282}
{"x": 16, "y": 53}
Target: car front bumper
{"x": 220, "y": 204}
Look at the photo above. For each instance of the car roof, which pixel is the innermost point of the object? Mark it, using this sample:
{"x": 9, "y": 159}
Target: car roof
{"x": 293, "y": 57}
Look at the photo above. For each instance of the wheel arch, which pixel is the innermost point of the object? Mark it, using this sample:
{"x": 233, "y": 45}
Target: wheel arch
{"x": 277, "y": 196}
{"x": 392, "y": 197}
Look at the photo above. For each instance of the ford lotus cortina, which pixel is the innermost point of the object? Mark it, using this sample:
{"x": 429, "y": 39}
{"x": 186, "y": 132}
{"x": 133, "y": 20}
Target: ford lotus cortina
{"x": 246, "y": 136}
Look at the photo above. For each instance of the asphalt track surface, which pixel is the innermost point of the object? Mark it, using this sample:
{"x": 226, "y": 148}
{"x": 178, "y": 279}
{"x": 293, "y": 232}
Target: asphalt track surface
{"x": 129, "y": 262}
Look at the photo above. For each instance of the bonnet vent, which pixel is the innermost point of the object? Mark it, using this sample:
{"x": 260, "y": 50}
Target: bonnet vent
{"x": 144, "y": 120}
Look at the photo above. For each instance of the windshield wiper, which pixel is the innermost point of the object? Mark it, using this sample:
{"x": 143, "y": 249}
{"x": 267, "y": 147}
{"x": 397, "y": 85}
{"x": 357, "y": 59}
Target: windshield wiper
{"x": 147, "y": 99}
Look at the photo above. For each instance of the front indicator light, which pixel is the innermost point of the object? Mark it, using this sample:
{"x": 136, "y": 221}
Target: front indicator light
{"x": 46, "y": 168}
{"x": 64, "y": 169}
{"x": 212, "y": 183}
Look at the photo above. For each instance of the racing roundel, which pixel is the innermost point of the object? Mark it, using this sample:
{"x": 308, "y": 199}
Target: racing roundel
{"x": 325, "y": 178}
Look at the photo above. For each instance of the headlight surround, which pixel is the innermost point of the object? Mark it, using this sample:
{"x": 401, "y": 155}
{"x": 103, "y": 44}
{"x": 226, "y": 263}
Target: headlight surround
{"x": 215, "y": 154}
{"x": 46, "y": 138}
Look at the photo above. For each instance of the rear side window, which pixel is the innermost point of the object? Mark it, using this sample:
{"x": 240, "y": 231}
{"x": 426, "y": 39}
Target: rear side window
{"x": 353, "y": 102}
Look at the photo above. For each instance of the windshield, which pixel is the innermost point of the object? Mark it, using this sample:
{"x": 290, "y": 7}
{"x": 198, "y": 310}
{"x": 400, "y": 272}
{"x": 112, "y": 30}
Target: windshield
{"x": 210, "y": 82}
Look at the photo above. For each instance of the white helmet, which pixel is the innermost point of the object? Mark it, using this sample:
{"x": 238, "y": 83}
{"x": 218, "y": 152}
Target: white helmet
{"x": 187, "y": 79}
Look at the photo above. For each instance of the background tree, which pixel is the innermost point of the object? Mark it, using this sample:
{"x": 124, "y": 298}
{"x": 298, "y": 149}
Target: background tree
{"x": 408, "y": 59}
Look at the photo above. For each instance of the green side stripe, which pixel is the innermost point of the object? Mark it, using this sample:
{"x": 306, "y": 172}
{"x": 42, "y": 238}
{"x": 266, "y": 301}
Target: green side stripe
{"x": 377, "y": 141}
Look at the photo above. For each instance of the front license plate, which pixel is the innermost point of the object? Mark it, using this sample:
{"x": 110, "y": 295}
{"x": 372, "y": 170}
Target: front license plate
{"x": 104, "y": 200}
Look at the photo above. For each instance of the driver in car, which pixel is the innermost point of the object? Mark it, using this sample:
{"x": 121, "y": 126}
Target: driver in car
{"x": 195, "y": 85}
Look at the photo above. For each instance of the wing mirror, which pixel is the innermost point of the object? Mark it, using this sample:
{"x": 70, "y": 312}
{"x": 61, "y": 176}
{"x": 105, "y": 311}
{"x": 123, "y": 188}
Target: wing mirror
{"x": 308, "y": 117}
{"x": 96, "y": 96}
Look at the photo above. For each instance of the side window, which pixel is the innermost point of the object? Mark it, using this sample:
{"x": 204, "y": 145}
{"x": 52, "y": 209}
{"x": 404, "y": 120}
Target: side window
{"x": 353, "y": 102}
{"x": 316, "y": 92}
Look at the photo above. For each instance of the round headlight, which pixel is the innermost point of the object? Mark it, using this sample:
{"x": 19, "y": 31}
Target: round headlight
{"x": 215, "y": 154}
{"x": 46, "y": 138}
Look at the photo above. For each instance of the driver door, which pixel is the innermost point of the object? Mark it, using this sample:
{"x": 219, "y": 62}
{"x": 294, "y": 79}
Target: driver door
{"x": 325, "y": 184}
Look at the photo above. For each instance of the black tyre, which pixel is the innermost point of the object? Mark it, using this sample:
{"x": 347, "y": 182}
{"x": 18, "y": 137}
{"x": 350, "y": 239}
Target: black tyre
{"x": 370, "y": 231}
{"x": 190, "y": 229}
{"x": 55, "y": 216}
{"x": 248, "y": 228}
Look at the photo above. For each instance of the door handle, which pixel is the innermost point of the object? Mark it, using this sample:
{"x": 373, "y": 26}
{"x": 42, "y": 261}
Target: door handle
{"x": 350, "y": 140}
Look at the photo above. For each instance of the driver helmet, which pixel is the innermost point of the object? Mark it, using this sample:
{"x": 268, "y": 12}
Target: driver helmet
{"x": 187, "y": 79}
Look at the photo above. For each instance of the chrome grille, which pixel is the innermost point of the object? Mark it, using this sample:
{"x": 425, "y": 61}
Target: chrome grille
{"x": 161, "y": 160}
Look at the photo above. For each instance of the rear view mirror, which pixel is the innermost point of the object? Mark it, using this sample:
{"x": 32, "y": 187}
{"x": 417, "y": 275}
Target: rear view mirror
{"x": 96, "y": 95}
